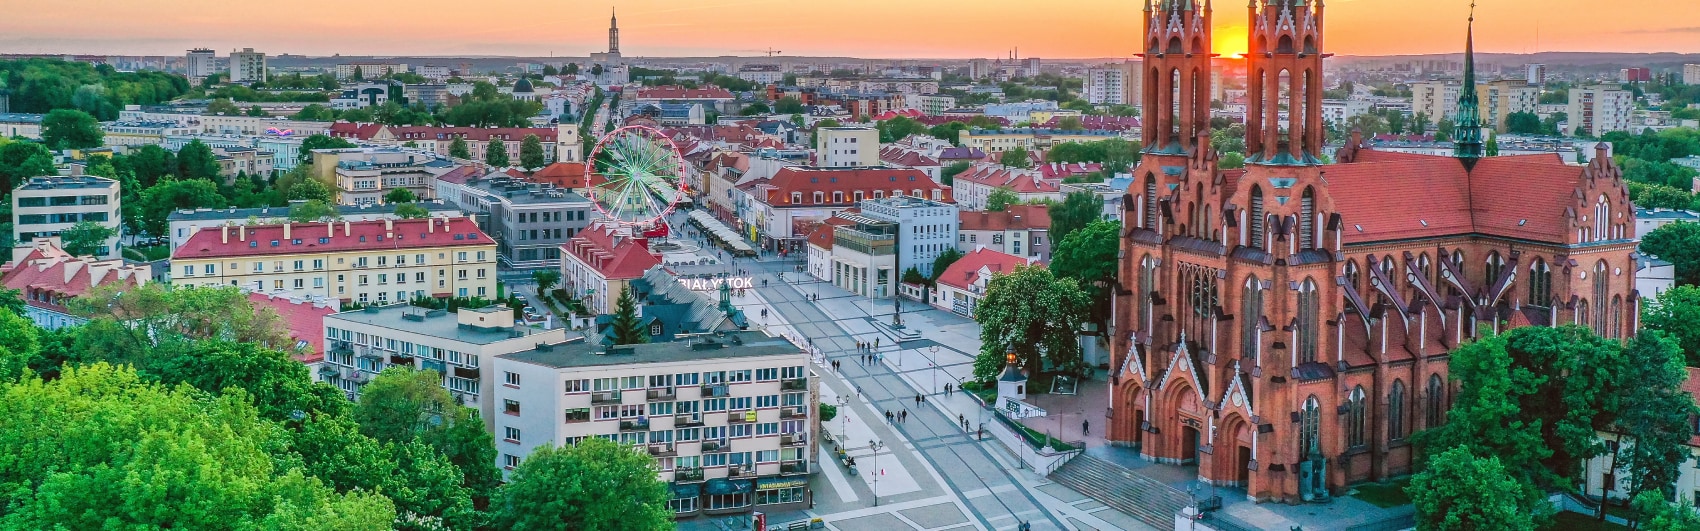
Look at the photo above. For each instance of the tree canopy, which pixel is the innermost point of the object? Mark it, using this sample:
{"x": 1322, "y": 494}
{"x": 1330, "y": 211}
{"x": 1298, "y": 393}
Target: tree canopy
{"x": 569, "y": 488}
{"x": 1034, "y": 314}
{"x": 627, "y": 327}
{"x": 531, "y": 155}
{"x": 85, "y": 238}
{"x": 1017, "y": 157}
{"x": 168, "y": 195}
{"x": 1459, "y": 491}
{"x": 400, "y": 195}
{"x": 71, "y": 129}
{"x": 1077, "y": 210}
{"x": 496, "y": 154}
{"x": 1000, "y": 199}
{"x": 1679, "y": 244}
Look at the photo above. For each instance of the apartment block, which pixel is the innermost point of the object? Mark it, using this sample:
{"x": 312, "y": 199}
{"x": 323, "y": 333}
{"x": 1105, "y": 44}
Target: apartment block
{"x": 184, "y": 222}
{"x": 730, "y": 417}
{"x": 364, "y": 175}
{"x": 1501, "y": 98}
{"x": 247, "y": 66}
{"x": 1438, "y": 100}
{"x": 46, "y": 206}
{"x": 200, "y": 63}
{"x": 364, "y": 342}
{"x": 529, "y": 220}
{"x": 847, "y": 147}
{"x": 1595, "y": 111}
{"x": 369, "y": 262}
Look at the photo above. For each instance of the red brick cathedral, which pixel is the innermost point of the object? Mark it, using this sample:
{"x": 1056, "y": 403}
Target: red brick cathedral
{"x": 1285, "y": 327}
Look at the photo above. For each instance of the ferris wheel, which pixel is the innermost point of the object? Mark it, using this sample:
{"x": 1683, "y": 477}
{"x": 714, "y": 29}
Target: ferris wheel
{"x": 637, "y": 176}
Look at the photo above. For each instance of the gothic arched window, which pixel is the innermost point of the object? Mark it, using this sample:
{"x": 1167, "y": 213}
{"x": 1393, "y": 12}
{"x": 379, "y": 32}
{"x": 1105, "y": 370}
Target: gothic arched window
{"x": 1254, "y": 218}
{"x": 1307, "y": 219}
{"x": 1602, "y": 287}
{"x": 1436, "y": 401}
{"x": 1147, "y": 285}
{"x": 1151, "y": 201}
{"x": 1309, "y": 418}
{"x": 1540, "y": 284}
{"x": 1490, "y": 273}
{"x": 1307, "y": 322}
{"x": 1251, "y": 302}
{"x": 1396, "y": 411}
{"x": 1355, "y": 417}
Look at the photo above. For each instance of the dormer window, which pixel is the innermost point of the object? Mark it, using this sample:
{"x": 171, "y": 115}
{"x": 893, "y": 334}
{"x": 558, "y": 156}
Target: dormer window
{"x": 879, "y": 194}
{"x": 820, "y": 197}
{"x": 838, "y": 197}
{"x": 796, "y": 198}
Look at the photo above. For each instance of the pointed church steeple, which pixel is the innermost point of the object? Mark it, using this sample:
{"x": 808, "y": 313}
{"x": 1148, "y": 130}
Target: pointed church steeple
{"x": 613, "y": 33}
{"x": 1467, "y": 146}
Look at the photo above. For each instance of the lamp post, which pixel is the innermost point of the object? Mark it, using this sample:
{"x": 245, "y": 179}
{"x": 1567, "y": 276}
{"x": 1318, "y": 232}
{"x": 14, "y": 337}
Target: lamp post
{"x": 934, "y": 361}
{"x": 875, "y": 446}
{"x": 843, "y": 418}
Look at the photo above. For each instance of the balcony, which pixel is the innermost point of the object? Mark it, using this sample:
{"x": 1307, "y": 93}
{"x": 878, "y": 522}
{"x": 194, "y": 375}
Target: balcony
{"x": 606, "y": 397}
{"x": 794, "y": 467}
{"x": 793, "y": 439}
{"x": 794, "y": 384}
{"x": 687, "y": 474}
{"x": 686, "y": 421}
{"x": 634, "y": 425}
{"x": 357, "y": 375}
{"x": 715, "y": 446}
{"x": 741, "y": 417}
{"x": 793, "y": 413}
{"x": 662, "y": 450}
{"x": 743, "y": 471}
{"x": 662, "y": 394}
{"x": 715, "y": 391}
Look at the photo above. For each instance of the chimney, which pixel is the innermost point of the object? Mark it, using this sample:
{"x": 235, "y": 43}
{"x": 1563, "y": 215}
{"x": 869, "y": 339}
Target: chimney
{"x": 330, "y": 228}
{"x": 224, "y": 234}
{"x": 431, "y": 225}
{"x": 445, "y": 225}
{"x": 286, "y": 230}
{"x": 346, "y": 230}
{"x": 241, "y": 233}
{"x": 389, "y": 225}
{"x": 194, "y": 229}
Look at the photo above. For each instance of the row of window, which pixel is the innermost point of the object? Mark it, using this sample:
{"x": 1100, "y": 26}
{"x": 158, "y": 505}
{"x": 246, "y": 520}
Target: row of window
{"x": 1356, "y": 429}
{"x": 838, "y": 197}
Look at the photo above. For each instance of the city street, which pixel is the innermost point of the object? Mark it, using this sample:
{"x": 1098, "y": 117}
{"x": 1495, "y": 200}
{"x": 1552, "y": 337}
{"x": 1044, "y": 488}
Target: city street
{"x": 931, "y": 473}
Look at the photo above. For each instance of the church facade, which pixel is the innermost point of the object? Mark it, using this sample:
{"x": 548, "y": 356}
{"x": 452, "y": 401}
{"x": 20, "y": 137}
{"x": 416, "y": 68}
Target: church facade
{"x": 1286, "y": 327}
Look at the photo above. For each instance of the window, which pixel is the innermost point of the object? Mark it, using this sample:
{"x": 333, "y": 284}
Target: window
{"x": 1355, "y": 417}
{"x": 765, "y": 401}
{"x": 1305, "y": 334}
{"x": 767, "y": 374}
{"x": 1540, "y": 284}
{"x": 510, "y": 407}
{"x": 1307, "y": 220}
{"x": 1436, "y": 401}
{"x": 1396, "y": 411}
{"x": 578, "y": 415}
{"x": 510, "y": 461}
{"x": 791, "y": 372}
{"x": 510, "y": 434}
{"x": 1251, "y": 312}
{"x": 1254, "y": 218}
{"x": 767, "y": 428}
{"x": 1309, "y": 418}
{"x": 510, "y": 378}
{"x": 1602, "y": 286}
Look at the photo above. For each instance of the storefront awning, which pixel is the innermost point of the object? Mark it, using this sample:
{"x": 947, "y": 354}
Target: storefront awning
{"x": 686, "y": 490}
{"x": 728, "y": 486}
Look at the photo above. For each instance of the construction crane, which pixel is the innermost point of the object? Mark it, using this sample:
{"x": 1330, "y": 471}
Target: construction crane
{"x": 769, "y": 51}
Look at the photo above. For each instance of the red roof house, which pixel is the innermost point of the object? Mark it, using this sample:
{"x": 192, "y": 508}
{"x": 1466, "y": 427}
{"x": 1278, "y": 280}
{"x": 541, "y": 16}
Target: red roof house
{"x": 47, "y": 276}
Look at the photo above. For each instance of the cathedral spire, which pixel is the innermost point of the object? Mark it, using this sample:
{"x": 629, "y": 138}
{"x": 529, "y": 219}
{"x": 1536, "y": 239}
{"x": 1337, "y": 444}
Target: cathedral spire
{"x": 1467, "y": 145}
{"x": 613, "y": 32}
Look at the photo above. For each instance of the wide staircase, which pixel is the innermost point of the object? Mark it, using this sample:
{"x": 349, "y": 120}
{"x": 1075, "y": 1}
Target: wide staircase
{"x": 1138, "y": 496}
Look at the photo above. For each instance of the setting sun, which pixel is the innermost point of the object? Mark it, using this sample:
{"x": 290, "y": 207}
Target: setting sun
{"x": 1230, "y": 41}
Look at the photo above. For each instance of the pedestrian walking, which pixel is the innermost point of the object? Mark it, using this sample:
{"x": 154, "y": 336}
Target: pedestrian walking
{"x": 1085, "y": 426}
{"x": 888, "y": 416}
{"x": 876, "y": 342}
{"x": 905, "y": 417}
{"x": 947, "y": 388}
{"x": 963, "y": 421}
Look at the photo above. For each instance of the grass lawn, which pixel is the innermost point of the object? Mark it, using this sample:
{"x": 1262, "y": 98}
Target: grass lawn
{"x": 1384, "y": 495}
{"x": 148, "y": 253}
{"x": 1569, "y": 521}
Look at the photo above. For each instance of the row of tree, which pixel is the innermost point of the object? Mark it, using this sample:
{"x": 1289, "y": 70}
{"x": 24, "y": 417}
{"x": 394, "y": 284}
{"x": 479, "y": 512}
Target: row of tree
{"x": 186, "y": 409}
{"x": 43, "y": 85}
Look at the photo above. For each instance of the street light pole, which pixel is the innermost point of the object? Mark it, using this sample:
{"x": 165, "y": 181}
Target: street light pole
{"x": 934, "y": 361}
{"x": 876, "y": 446}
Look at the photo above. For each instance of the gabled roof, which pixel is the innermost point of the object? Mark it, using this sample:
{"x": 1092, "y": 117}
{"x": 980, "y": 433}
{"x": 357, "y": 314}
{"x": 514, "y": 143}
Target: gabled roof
{"x": 614, "y": 253}
{"x": 461, "y": 174}
{"x": 304, "y": 319}
{"x": 1388, "y": 196}
{"x": 1018, "y": 180}
{"x": 961, "y": 153}
{"x": 963, "y": 272}
{"x": 1017, "y": 217}
{"x": 908, "y": 158}
{"x": 807, "y": 181}
{"x": 568, "y": 175}
{"x": 328, "y": 237}
{"x": 682, "y": 93}
{"x": 48, "y": 275}
{"x": 1059, "y": 170}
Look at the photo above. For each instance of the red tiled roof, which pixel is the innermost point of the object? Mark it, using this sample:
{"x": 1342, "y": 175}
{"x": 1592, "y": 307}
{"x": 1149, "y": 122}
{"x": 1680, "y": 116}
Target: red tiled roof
{"x": 354, "y": 130}
{"x": 48, "y": 275}
{"x": 682, "y": 93}
{"x": 1017, "y": 217}
{"x": 461, "y": 174}
{"x": 1059, "y": 170}
{"x": 1385, "y": 196}
{"x": 909, "y": 158}
{"x": 569, "y": 175}
{"x": 366, "y": 131}
{"x": 962, "y": 272}
{"x": 336, "y": 236}
{"x": 306, "y": 322}
{"x": 612, "y": 253}
{"x": 807, "y": 181}
{"x": 999, "y": 176}
{"x": 822, "y": 237}
{"x": 1097, "y": 123}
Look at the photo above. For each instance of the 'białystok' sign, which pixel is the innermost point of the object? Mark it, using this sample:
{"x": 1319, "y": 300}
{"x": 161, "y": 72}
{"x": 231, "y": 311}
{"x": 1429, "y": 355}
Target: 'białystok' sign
{"x": 713, "y": 284}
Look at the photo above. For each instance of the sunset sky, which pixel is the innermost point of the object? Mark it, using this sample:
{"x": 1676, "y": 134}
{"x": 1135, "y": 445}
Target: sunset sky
{"x": 869, "y": 28}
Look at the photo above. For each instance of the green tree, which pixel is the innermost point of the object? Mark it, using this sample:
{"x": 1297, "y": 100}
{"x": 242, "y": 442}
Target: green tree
{"x": 1653, "y": 417}
{"x": 314, "y": 112}
{"x": 21, "y": 160}
{"x": 1123, "y": 110}
{"x": 223, "y": 107}
{"x": 948, "y": 174}
{"x": 412, "y": 211}
{"x": 1070, "y": 123}
{"x": 546, "y": 279}
{"x": 1459, "y": 491}
{"x": 86, "y": 238}
{"x": 1369, "y": 124}
{"x": 196, "y": 161}
{"x": 1088, "y": 256}
{"x": 950, "y": 131}
{"x": 312, "y": 210}
{"x": 1030, "y": 312}
{"x": 1420, "y": 123}
{"x": 160, "y": 200}
{"x": 257, "y": 111}
{"x": 899, "y": 128}
{"x": 570, "y": 69}
{"x": 401, "y": 405}
{"x": 1444, "y": 130}
{"x": 1230, "y": 161}
{"x": 531, "y": 153}
{"x": 595, "y": 485}
{"x": 399, "y": 195}
{"x": 1679, "y": 244}
{"x": 149, "y": 163}
{"x": 71, "y": 129}
{"x": 496, "y": 154}
{"x": 458, "y": 149}
{"x": 1016, "y": 158}
{"x": 131, "y": 454}
{"x": 1076, "y": 211}
{"x": 943, "y": 262}
{"x": 627, "y": 326}
{"x": 1523, "y": 123}
{"x": 755, "y": 109}
{"x": 1000, "y": 199}
{"x": 1653, "y": 513}
{"x": 311, "y": 189}
{"x": 319, "y": 141}
{"x": 913, "y": 276}
{"x": 789, "y": 105}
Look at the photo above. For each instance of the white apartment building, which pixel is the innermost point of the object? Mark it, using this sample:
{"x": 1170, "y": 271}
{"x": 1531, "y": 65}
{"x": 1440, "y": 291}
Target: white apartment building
{"x": 762, "y": 74}
{"x": 200, "y": 63}
{"x": 364, "y": 175}
{"x": 1535, "y": 74}
{"x": 46, "y": 206}
{"x": 433, "y": 73}
{"x": 1438, "y": 100}
{"x": 143, "y": 133}
{"x": 846, "y": 147}
{"x": 1106, "y": 86}
{"x": 928, "y": 104}
{"x": 1691, "y": 74}
{"x": 247, "y": 66}
{"x": 926, "y": 228}
{"x": 601, "y": 261}
{"x": 1595, "y": 111}
{"x": 730, "y": 417}
{"x": 1501, "y": 98}
{"x": 1338, "y": 111}
{"x": 362, "y": 343}
{"x": 369, "y": 70}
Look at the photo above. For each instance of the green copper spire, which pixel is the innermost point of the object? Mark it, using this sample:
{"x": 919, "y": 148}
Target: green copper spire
{"x": 1468, "y": 142}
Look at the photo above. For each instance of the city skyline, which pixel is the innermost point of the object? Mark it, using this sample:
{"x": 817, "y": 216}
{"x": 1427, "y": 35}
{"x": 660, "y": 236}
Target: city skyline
{"x": 661, "y": 28}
